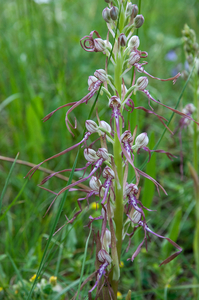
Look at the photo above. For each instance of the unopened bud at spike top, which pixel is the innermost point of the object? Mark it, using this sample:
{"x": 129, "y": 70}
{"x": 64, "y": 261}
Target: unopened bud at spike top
{"x": 107, "y": 1}
{"x": 90, "y": 155}
{"x": 108, "y": 172}
{"x": 91, "y": 126}
{"x": 114, "y": 12}
{"x": 131, "y": 10}
{"x": 122, "y": 40}
{"x": 142, "y": 83}
{"x": 134, "y": 42}
{"x": 138, "y": 21}
{"x": 95, "y": 183}
{"x": 102, "y": 153}
{"x": 101, "y": 75}
{"x": 133, "y": 58}
{"x": 141, "y": 140}
{"x": 106, "y": 15}
{"x": 134, "y": 10}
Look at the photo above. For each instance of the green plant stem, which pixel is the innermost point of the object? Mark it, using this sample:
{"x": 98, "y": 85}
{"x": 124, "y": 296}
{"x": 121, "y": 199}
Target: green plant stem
{"x": 119, "y": 207}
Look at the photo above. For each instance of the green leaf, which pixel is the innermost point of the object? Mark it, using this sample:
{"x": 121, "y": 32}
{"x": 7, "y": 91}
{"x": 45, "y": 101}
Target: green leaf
{"x": 174, "y": 229}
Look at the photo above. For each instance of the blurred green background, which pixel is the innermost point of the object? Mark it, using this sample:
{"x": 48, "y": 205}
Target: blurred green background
{"x": 43, "y": 66}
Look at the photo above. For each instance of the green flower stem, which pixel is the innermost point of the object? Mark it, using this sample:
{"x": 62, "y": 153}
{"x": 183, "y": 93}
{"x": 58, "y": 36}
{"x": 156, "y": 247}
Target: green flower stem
{"x": 119, "y": 207}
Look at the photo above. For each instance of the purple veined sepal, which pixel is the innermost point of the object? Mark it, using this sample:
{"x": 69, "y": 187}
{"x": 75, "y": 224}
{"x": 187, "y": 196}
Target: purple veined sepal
{"x": 148, "y": 230}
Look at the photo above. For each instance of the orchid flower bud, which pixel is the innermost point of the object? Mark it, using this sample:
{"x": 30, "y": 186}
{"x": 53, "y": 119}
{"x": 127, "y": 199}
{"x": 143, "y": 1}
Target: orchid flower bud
{"x": 133, "y": 58}
{"x": 106, "y": 242}
{"x": 91, "y": 81}
{"x": 106, "y": 15}
{"x": 95, "y": 183}
{"x": 105, "y": 126}
{"x": 101, "y": 75}
{"x": 90, "y": 155}
{"x": 100, "y": 45}
{"x": 103, "y": 256}
{"x": 134, "y": 42}
{"x": 141, "y": 83}
{"x": 138, "y": 21}
{"x": 131, "y": 10}
{"x": 103, "y": 153}
{"x": 108, "y": 172}
{"x": 107, "y": 1}
{"x": 114, "y": 12}
{"x": 122, "y": 40}
{"x": 141, "y": 140}
{"x": 91, "y": 126}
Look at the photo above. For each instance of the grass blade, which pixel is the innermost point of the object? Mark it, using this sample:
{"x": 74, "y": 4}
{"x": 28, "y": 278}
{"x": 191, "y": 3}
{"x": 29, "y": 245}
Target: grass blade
{"x": 13, "y": 202}
{"x": 7, "y": 181}
{"x": 83, "y": 263}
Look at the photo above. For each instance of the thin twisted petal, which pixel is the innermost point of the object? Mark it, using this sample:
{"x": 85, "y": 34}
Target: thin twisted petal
{"x": 83, "y": 100}
{"x": 98, "y": 164}
{"x": 34, "y": 169}
{"x": 159, "y": 117}
{"x": 172, "y": 109}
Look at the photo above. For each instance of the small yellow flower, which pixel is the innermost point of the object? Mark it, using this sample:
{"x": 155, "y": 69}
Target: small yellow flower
{"x": 1, "y": 289}
{"x": 16, "y": 292}
{"x": 121, "y": 264}
{"x": 168, "y": 285}
{"x": 95, "y": 205}
{"x": 53, "y": 280}
{"x": 32, "y": 278}
{"x": 119, "y": 295}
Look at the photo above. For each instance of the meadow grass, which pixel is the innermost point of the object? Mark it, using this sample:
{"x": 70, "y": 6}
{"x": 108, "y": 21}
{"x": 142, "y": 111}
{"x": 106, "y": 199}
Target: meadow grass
{"x": 42, "y": 67}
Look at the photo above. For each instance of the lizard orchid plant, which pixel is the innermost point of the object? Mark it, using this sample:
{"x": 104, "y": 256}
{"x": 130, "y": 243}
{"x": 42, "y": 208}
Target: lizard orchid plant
{"x": 114, "y": 146}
